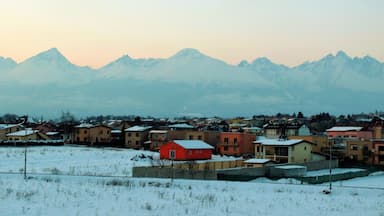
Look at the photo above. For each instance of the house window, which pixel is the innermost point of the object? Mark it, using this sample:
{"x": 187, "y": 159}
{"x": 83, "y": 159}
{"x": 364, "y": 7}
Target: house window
{"x": 137, "y": 134}
{"x": 137, "y": 142}
{"x": 354, "y": 147}
{"x": 101, "y": 132}
{"x": 381, "y": 148}
{"x": 226, "y": 140}
{"x": 129, "y": 142}
{"x": 190, "y": 137}
{"x": 199, "y": 137}
{"x": 225, "y": 148}
{"x": 129, "y": 134}
{"x": 305, "y": 148}
{"x": 258, "y": 149}
{"x": 85, "y": 131}
{"x": 235, "y": 141}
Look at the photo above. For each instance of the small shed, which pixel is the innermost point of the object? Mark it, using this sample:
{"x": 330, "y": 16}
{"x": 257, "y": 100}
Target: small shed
{"x": 255, "y": 162}
{"x": 186, "y": 150}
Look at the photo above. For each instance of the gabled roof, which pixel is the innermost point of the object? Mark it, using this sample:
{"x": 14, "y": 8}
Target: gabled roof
{"x": 278, "y": 142}
{"x": 5, "y": 126}
{"x": 257, "y": 161}
{"x": 158, "y": 131}
{"x": 181, "y": 126}
{"x": 193, "y": 144}
{"x": 86, "y": 125}
{"x": 344, "y": 129}
{"x": 23, "y": 132}
{"x": 138, "y": 128}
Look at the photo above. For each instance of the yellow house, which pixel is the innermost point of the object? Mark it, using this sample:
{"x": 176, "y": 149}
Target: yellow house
{"x": 136, "y": 137}
{"x": 321, "y": 141}
{"x": 284, "y": 151}
{"x": 28, "y": 134}
{"x": 8, "y": 128}
{"x": 92, "y": 134}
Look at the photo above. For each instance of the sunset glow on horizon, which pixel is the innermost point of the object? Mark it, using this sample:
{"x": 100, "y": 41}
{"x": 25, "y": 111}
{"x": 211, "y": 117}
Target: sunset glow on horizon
{"x": 97, "y": 32}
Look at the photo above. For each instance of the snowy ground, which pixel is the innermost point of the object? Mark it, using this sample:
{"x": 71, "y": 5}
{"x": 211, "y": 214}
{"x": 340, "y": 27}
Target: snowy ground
{"x": 88, "y": 195}
{"x": 74, "y": 160}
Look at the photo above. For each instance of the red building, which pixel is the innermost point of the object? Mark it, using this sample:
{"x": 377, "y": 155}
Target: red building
{"x": 349, "y": 133}
{"x": 236, "y": 143}
{"x": 186, "y": 150}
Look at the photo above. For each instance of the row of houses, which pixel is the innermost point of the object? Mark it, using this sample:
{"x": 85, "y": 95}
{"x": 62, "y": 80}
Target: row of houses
{"x": 279, "y": 141}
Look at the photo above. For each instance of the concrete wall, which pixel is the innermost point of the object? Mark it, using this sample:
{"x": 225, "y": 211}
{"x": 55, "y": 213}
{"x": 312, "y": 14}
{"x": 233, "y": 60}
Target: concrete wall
{"x": 291, "y": 172}
{"x": 169, "y": 172}
{"x": 240, "y": 174}
{"x": 335, "y": 177}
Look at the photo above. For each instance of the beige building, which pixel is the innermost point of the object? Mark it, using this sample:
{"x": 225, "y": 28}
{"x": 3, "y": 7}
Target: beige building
{"x": 92, "y": 134}
{"x": 7, "y": 129}
{"x": 256, "y": 163}
{"x": 136, "y": 137}
{"x": 284, "y": 151}
{"x": 25, "y": 135}
{"x": 321, "y": 141}
{"x": 359, "y": 150}
{"x": 157, "y": 138}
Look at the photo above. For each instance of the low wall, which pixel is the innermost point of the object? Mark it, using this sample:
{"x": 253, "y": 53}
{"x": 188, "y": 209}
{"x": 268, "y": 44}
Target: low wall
{"x": 335, "y": 177}
{"x": 288, "y": 171}
{"x": 208, "y": 165}
{"x": 240, "y": 174}
{"x": 169, "y": 172}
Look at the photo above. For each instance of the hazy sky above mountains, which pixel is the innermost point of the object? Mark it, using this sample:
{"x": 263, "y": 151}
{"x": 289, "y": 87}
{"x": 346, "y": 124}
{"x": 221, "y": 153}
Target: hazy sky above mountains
{"x": 95, "y": 32}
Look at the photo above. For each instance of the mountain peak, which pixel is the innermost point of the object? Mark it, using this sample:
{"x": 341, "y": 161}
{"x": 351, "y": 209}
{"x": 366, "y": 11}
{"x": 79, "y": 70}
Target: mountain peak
{"x": 188, "y": 53}
{"x": 262, "y": 60}
{"x": 342, "y": 54}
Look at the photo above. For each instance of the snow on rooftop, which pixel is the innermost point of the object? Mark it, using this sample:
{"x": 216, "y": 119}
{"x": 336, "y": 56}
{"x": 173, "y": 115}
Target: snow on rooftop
{"x": 183, "y": 125}
{"x": 116, "y": 131}
{"x": 23, "y": 132}
{"x": 290, "y": 167}
{"x": 5, "y": 126}
{"x": 158, "y": 131}
{"x": 257, "y": 161}
{"x": 193, "y": 144}
{"x": 52, "y": 133}
{"x": 278, "y": 142}
{"x": 138, "y": 128}
{"x": 84, "y": 125}
{"x": 345, "y": 129}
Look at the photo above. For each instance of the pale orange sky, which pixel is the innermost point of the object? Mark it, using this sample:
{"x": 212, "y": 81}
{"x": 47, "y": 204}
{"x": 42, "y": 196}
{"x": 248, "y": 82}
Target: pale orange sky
{"x": 95, "y": 32}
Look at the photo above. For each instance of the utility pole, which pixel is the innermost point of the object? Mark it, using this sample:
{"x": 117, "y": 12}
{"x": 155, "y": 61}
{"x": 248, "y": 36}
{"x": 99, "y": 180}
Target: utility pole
{"x": 330, "y": 167}
{"x": 25, "y": 146}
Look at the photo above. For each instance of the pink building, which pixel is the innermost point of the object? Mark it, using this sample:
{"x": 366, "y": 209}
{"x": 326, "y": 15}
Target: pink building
{"x": 349, "y": 133}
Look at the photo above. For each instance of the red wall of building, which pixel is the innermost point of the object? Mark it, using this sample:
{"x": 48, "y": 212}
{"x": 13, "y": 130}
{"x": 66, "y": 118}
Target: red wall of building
{"x": 184, "y": 154}
{"x": 363, "y": 135}
{"x": 244, "y": 143}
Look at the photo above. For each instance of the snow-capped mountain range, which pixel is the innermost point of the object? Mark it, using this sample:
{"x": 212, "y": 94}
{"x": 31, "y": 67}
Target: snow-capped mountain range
{"x": 190, "y": 82}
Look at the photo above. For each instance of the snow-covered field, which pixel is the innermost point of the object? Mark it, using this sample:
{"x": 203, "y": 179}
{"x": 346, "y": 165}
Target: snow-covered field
{"x": 88, "y": 195}
{"x": 74, "y": 160}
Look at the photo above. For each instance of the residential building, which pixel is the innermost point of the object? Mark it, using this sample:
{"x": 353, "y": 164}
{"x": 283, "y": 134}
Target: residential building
{"x": 136, "y": 137}
{"x": 186, "y": 150}
{"x": 92, "y": 134}
{"x": 321, "y": 141}
{"x": 157, "y": 138}
{"x": 276, "y": 130}
{"x": 348, "y": 132}
{"x": 378, "y": 151}
{"x": 256, "y": 163}
{"x": 27, "y": 134}
{"x": 179, "y": 131}
{"x": 359, "y": 150}
{"x": 9, "y": 128}
{"x": 283, "y": 151}
{"x": 236, "y": 143}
